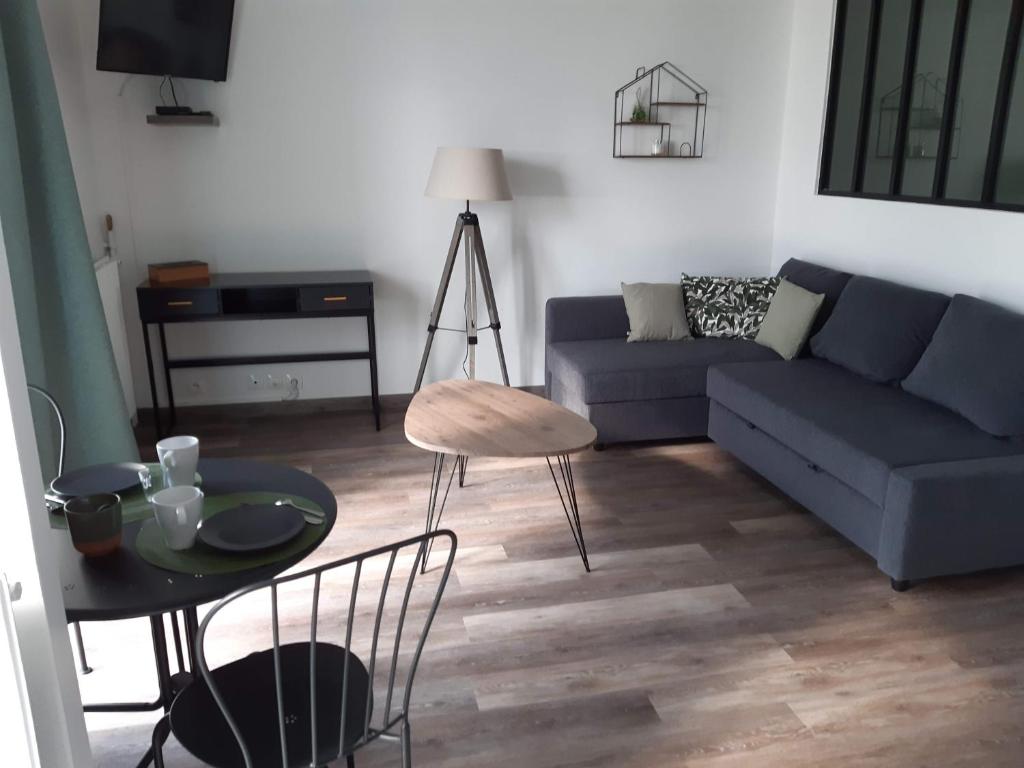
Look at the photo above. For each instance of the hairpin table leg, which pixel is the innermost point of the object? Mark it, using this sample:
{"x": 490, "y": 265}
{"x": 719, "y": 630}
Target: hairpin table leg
{"x": 567, "y": 495}
{"x": 433, "y": 510}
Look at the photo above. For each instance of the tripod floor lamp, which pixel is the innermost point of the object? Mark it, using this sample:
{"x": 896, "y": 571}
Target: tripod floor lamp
{"x": 470, "y": 175}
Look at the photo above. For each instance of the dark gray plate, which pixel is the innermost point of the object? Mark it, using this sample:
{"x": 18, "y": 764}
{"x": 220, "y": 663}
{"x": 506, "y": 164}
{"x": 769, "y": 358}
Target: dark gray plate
{"x": 251, "y": 528}
{"x": 99, "y": 478}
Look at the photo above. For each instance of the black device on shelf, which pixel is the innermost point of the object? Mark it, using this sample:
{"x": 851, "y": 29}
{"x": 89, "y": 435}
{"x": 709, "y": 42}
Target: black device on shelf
{"x": 175, "y": 38}
{"x": 165, "y": 111}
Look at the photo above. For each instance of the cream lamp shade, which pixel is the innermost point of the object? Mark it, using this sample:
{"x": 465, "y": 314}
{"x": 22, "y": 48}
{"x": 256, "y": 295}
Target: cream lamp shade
{"x": 461, "y": 173}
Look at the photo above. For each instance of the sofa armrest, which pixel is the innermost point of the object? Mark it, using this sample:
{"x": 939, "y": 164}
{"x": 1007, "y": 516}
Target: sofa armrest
{"x": 578, "y": 318}
{"x": 953, "y": 517}
{"x": 575, "y": 318}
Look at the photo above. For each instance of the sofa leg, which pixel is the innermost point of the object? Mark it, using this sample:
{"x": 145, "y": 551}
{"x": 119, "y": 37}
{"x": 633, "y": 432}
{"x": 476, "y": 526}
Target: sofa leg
{"x": 900, "y": 585}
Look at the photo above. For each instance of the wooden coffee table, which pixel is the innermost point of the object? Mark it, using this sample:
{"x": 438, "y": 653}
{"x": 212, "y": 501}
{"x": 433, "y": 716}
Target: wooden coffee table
{"x": 469, "y": 418}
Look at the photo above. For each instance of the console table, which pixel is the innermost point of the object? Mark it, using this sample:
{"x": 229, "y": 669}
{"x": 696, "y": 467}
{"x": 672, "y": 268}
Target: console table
{"x": 257, "y": 296}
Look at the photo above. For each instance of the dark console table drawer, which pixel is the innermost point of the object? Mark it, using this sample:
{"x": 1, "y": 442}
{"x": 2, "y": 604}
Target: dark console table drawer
{"x": 167, "y": 304}
{"x": 332, "y": 298}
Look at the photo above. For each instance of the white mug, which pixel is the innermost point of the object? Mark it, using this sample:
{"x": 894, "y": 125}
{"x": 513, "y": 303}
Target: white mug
{"x": 178, "y": 511}
{"x": 179, "y": 457}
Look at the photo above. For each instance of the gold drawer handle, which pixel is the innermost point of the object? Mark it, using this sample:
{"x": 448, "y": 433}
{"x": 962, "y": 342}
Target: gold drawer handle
{"x": 335, "y": 298}
{"x": 179, "y": 303}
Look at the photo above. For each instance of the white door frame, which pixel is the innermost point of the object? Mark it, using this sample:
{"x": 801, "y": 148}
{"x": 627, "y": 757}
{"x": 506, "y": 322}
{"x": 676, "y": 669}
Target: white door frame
{"x": 27, "y": 557}
{"x": 15, "y": 707}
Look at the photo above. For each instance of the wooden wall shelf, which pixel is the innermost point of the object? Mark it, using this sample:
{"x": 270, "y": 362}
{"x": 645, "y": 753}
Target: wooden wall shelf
{"x": 659, "y": 157}
{"x": 182, "y": 119}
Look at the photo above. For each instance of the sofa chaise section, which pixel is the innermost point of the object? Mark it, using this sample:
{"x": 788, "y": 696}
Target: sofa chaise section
{"x": 849, "y": 512}
{"x": 896, "y": 471}
{"x": 856, "y": 430}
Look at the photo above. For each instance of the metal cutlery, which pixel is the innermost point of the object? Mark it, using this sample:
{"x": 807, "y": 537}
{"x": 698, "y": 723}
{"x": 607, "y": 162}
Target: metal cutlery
{"x": 312, "y": 516}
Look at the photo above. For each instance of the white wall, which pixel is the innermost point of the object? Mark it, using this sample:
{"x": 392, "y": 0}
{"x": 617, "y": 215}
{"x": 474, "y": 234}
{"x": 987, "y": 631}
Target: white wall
{"x": 944, "y": 248}
{"x": 329, "y": 120}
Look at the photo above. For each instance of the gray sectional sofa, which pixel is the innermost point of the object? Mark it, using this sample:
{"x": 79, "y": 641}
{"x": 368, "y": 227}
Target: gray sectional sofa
{"x": 876, "y": 429}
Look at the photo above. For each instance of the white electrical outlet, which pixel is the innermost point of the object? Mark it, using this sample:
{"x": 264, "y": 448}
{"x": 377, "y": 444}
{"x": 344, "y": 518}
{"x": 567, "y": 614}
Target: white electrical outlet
{"x": 292, "y": 385}
{"x": 286, "y": 383}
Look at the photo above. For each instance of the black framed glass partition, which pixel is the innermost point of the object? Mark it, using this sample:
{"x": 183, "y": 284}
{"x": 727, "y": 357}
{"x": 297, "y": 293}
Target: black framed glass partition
{"x": 1010, "y": 172}
{"x": 982, "y": 58}
{"x": 886, "y": 95}
{"x": 926, "y": 103}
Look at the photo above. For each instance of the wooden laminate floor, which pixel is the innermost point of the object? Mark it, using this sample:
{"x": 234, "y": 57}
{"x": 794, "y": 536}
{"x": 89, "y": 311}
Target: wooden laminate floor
{"x": 721, "y": 626}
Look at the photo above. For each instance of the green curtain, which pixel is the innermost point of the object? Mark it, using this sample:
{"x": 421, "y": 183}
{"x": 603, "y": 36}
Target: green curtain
{"x": 63, "y": 331}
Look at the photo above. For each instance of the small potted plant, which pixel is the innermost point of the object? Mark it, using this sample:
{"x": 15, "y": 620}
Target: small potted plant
{"x": 639, "y": 113}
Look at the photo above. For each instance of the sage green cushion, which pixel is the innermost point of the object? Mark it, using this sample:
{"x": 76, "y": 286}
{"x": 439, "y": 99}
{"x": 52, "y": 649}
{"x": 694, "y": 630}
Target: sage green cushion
{"x": 789, "y": 319}
{"x": 656, "y": 312}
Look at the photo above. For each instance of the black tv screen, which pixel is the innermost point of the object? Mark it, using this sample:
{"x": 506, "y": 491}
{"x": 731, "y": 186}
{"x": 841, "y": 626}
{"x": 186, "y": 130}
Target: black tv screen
{"x": 181, "y": 38}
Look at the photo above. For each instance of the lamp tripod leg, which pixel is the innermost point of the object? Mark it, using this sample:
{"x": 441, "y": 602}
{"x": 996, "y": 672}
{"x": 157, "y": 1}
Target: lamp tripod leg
{"x": 472, "y": 235}
{"x": 492, "y": 305}
{"x": 442, "y": 290}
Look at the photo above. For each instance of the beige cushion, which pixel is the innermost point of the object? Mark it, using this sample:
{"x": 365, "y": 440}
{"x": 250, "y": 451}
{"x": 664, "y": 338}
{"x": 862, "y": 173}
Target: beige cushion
{"x": 656, "y": 312}
{"x": 789, "y": 318}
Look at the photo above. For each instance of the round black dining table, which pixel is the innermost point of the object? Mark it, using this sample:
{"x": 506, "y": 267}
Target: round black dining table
{"x": 124, "y": 586}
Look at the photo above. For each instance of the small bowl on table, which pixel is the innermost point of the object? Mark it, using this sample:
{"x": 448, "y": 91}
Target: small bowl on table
{"x": 94, "y": 523}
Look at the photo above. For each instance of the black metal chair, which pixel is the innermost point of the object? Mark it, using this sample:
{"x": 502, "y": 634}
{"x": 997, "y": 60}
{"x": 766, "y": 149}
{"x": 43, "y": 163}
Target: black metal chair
{"x": 54, "y": 502}
{"x": 312, "y": 702}
{"x": 83, "y": 663}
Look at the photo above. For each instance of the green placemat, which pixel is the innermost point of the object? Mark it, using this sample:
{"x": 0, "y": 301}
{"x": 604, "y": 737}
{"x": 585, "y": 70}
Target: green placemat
{"x": 204, "y": 560}
{"x": 134, "y": 505}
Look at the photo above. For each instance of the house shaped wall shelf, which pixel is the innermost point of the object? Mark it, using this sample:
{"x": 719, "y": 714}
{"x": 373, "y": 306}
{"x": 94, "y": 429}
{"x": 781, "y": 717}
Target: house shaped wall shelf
{"x": 664, "y": 99}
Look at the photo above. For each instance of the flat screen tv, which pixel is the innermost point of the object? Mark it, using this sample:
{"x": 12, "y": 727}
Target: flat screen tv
{"x": 180, "y": 38}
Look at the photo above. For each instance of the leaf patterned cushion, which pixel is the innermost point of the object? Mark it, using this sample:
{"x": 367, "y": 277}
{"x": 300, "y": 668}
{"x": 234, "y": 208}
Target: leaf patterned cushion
{"x": 727, "y": 307}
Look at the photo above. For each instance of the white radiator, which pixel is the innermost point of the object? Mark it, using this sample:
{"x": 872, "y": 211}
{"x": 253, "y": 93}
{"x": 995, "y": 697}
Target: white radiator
{"x": 109, "y": 278}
